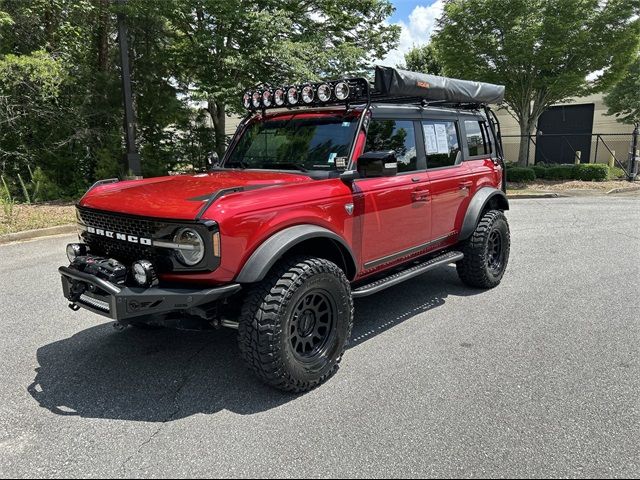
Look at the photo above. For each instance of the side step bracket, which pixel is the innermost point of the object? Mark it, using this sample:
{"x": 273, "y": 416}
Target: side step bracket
{"x": 399, "y": 277}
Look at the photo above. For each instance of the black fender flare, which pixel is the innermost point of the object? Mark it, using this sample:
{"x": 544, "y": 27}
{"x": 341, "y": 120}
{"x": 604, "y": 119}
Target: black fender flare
{"x": 274, "y": 247}
{"x": 477, "y": 206}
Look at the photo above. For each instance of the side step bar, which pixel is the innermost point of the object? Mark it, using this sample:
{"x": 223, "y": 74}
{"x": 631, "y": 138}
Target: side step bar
{"x": 400, "y": 277}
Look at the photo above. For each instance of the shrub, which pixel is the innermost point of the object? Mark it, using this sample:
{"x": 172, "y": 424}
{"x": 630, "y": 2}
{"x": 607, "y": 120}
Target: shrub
{"x": 540, "y": 171}
{"x": 560, "y": 172}
{"x": 521, "y": 174}
{"x": 616, "y": 173}
{"x": 598, "y": 172}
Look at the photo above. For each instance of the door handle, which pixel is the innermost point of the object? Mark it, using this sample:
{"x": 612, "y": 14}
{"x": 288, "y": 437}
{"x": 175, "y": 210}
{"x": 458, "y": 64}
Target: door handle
{"x": 465, "y": 185}
{"x": 420, "y": 195}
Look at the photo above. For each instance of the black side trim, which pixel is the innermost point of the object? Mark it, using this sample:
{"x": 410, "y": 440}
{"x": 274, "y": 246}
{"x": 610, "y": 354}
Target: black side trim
{"x": 273, "y": 248}
{"x": 477, "y": 206}
{"x": 404, "y": 253}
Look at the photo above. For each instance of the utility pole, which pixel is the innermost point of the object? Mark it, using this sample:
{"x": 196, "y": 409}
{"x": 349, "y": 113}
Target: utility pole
{"x": 131, "y": 155}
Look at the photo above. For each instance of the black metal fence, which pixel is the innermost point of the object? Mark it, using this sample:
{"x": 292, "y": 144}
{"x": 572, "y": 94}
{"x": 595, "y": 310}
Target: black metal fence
{"x": 611, "y": 148}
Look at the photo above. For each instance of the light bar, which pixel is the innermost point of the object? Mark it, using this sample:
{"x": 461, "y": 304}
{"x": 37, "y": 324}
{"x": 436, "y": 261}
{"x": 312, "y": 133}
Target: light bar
{"x": 308, "y": 94}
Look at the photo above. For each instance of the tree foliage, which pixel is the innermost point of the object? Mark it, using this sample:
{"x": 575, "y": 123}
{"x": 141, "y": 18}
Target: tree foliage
{"x": 423, "y": 59}
{"x": 623, "y": 100}
{"x": 543, "y": 51}
{"x": 190, "y": 62}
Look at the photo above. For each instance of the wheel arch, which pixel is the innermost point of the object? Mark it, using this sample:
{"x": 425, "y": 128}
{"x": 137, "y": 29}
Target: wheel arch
{"x": 486, "y": 198}
{"x": 302, "y": 239}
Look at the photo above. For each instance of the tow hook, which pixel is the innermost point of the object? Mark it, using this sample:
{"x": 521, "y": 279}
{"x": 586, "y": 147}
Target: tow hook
{"x": 119, "y": 326}
{"x": 74, "y": 306}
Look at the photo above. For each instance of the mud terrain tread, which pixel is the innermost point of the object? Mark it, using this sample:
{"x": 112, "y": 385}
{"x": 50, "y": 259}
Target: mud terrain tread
{"x": 260, "y": 325}
{"x": 472, "y": 268}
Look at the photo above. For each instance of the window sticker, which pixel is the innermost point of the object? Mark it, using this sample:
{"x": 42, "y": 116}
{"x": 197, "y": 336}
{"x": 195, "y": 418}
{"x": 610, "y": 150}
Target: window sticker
{"x": 430, "y": 138}
{"x": 346, "y": 124}
{"x": 441, "y": 137}
{"x": 332, "y": 158}
{"x": 341, "y": 162}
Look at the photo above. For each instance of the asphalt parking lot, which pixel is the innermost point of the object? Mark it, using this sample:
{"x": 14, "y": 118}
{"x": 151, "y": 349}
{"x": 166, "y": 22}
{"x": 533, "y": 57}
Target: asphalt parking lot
{"x": 539, "y": 377}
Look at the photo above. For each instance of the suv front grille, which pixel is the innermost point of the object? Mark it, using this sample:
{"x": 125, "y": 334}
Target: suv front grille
{"x": 123, "y": 251}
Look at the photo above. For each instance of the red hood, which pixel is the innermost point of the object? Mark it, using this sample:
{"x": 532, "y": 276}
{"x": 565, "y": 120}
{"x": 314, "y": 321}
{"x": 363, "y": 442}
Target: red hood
{"x": 180, "y": 197}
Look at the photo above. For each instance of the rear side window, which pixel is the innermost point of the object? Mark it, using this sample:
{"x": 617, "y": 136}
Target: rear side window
{"x": 478, "y": 139}
{"x": 396, "y": 135}
{"x": 441, "y": 143}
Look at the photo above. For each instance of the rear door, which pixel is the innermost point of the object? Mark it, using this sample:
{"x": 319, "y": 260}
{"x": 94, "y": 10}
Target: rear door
{"x": 449, "y": 176}
{"x": 395, "y": 211}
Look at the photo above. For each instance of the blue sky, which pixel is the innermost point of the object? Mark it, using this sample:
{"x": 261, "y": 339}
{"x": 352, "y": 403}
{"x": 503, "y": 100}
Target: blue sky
{"x": 416, "y": 19}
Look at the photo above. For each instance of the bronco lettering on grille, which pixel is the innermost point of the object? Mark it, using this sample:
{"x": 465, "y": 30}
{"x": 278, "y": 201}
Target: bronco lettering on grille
{"x": 119, "y": 236}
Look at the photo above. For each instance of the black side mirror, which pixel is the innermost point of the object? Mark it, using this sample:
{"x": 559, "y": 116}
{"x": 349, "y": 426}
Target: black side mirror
{"x": 348, "y": 176}
{"x": 378, "y": 164}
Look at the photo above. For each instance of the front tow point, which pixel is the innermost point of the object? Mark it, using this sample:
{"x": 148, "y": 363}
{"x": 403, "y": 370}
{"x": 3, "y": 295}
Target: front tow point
{"x": 119, "y": 326}
{"x": 74, "y": 306}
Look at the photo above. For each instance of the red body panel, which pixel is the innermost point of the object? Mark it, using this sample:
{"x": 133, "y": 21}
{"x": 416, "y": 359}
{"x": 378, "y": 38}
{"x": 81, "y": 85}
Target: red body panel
{"x": 393, "y": 218}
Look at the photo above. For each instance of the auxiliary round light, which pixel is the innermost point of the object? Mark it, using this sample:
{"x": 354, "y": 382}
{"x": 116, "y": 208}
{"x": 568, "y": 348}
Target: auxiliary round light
{"x": 324, "y": 92}
{"x": 266, "y": 98}
{"x": 255, "y": 99}
{"x": 278, "y": 97}
{"x": 75, "y": 250}
{"x": 342, "y": 91}
{"x": 292, "y": 95}
{"x": 144, "y": 274}
{"x": 190, "y": 246}
{"x": 307, "y": 94}
{"x": 246, "y": 100}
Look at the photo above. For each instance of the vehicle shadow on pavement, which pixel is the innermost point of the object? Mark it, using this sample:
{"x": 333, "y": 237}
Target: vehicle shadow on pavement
{"x": 164, "y": 375}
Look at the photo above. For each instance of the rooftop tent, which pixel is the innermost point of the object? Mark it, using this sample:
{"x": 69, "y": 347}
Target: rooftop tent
{"x": 392, "y": 82}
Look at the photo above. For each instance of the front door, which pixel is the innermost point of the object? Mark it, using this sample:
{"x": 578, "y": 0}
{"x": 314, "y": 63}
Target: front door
{"x": 395, "y": 211}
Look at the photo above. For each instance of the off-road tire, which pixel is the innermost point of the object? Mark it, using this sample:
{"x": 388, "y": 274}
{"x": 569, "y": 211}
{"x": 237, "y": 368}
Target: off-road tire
{"x": 271, "y": 317}
{"x": 480, "y": 268}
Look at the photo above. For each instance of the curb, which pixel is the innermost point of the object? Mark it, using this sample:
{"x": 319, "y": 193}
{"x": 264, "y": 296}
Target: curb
{"x": 534, "y": 195}
{"x": 623, "y": 190}
{"x": 40, "y": 232}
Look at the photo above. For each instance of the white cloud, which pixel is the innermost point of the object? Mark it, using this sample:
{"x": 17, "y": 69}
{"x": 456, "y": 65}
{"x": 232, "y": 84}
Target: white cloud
{"x": 418, "y": 31}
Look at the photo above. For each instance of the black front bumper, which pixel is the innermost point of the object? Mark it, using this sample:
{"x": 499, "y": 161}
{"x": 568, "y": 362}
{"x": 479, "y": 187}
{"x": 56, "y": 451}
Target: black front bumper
{"x": 127, "y": 303}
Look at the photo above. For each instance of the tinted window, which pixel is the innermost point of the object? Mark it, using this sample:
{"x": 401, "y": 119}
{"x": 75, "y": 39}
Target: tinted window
{"x": 441, "y": 143}
{"x": 298, "y": 141}
{"x": 396, "y": 135}
{"x": 477, "y": 138}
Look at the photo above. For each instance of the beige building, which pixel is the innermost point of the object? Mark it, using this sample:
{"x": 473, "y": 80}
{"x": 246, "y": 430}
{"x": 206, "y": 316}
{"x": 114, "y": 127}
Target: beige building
{"x": 579, "y": 125}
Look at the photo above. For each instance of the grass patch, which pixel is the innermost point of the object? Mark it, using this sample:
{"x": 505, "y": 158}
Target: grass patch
{"x": 30, "y": 217}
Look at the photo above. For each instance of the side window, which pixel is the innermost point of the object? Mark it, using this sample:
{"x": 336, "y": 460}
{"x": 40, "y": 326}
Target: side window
{"x": 397, "y": 135}
{"x": 441, "y": 143}
{"x": 478, "y": 140}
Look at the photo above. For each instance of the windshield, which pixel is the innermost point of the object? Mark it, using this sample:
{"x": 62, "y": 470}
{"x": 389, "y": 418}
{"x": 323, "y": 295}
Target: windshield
{"x": 301, "y": 141}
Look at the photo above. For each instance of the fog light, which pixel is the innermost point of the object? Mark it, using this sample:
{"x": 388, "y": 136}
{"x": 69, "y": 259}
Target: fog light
{"x": 144, "y": 274}
{"x": 75, "y": 250}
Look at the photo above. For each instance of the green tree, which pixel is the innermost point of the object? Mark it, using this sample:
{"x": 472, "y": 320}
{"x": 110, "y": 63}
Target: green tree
{"x": 541, "y": 50}
{"x": 623, "y": 100}
{"x": 422, "y": 59}
{"x": 220, "y": 48}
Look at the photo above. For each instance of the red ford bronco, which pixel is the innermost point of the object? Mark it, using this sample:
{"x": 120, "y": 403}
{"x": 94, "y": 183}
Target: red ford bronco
{"x": 328, "y": 191}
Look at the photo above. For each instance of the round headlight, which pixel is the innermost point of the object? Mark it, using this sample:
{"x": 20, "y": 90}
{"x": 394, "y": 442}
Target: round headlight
{"x": 144, "y": 273}
{"x": 342, "y": 91}
{"x": 278, "y": 97}
{"x": 266, "y": 98}
{"x": 246, "y": 100}
{"x": 75, "y": 250}
{"x": 190, "y": 246}
{"x": 292, "y": 96}
{"x": 324, "y": 92}
{"x": 256, "y": 99}
{"x": 307, "y": 94}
